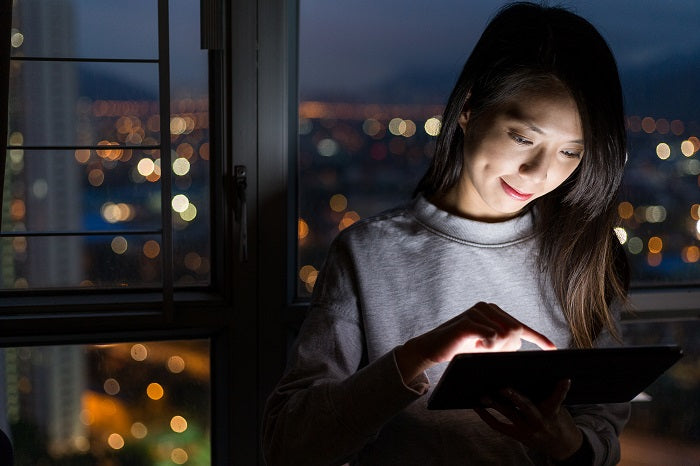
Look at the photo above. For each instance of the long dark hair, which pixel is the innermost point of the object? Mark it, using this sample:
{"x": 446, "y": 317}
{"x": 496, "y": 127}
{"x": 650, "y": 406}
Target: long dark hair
{"x": 528, "y": 46}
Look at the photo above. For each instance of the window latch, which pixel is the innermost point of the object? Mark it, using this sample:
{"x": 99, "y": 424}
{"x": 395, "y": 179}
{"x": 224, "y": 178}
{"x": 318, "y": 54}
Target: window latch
{"x": 241, "y": 211}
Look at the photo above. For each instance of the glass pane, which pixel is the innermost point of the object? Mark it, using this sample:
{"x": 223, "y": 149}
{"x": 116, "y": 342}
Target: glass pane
{"x": 55, "y": 103}
{"x": 109, "y": 104}
{"x": 101, "y": 261}
{"x": 85, "y": 28}
{"x": 83, "y": 190}
{"x": 138, "y": 404}
{"x": 666, "y": 428}
{"x": 190, "y": 145}
{"x": 369, "y": 97}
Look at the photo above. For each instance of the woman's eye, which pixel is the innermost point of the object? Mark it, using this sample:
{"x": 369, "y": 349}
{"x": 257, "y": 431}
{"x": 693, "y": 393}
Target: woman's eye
{"x": 519, "y": 139}
{"x": 572, "y": 154}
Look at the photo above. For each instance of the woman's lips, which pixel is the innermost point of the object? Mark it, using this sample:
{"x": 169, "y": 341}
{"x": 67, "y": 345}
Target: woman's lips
{"x": 514, "y": 193}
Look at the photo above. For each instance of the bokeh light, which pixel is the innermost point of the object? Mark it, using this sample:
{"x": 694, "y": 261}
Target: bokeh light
{"x": 180, "y": 203}
{"x": 338, "y": 202}
{"x": 621, "y": 234}
{"x": 179, "y": 456}
{"x": 625, "y": 210}
{"x": 635, "y": 245}
{"x": 155, "y": 391}
{"x": 115, "y": 441}
{"x": 178, "y": 424}
{"x": 327, "y": 147}
{"x": 687, "y": 148}
{"x": 139, "y": 352}
{"x": 663, "y": 151}
{"x": 432, "y": 126}
{"x": 151, "y": 249}
{"x": 119, "y": 245}
{"x": 302, "y": 228}
{"x": 139, "y": 430}
{"x": 655, "y": 244}
{"x": 690, "y": 254}
{"x": 190, "y": 213}
{"x": 176, "y": 364}
{"x": 111, "y": 386}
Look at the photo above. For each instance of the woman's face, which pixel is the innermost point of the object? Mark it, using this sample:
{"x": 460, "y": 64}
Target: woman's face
{"x": 517, "y": 153}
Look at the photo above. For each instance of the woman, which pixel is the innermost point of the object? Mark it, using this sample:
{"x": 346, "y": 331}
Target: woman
{"x": 508, "y": 242}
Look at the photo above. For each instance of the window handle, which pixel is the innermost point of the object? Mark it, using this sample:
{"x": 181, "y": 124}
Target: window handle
{"x": 241, "y": 211}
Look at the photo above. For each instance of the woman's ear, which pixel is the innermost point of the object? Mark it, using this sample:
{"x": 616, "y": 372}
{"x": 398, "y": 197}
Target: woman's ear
{"x": 463, "y": 119}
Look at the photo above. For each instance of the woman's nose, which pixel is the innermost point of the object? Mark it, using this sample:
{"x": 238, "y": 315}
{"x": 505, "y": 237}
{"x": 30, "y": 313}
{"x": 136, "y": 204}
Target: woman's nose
{"x": 536, "y": 167}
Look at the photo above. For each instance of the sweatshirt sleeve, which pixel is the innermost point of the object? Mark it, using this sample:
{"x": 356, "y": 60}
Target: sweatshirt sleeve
{"x": 329, "y": 404}
{"x": 601, "y": 425}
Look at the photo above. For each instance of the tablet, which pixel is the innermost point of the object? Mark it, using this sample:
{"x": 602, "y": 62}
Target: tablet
{"x": 600, "y": 375}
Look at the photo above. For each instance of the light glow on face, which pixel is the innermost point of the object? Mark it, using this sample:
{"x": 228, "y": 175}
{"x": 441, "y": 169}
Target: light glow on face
{"x": 522, "y": 151}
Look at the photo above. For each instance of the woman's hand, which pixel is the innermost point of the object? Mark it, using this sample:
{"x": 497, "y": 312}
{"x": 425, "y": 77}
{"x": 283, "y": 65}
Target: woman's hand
{"x": 546, "y": 426}
{"x": 483, "y": 327}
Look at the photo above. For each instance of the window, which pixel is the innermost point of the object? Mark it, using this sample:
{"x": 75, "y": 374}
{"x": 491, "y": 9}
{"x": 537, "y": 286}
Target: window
{"x": 91, "y": 126}
{"x": 133, "y": 403}
{"x": 370, "y": 101}
{"x": 115, "y": 250}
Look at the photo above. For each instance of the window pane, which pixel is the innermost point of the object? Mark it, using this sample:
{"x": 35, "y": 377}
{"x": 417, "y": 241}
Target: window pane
{"x": 55, "y": 103}
{"x": 190, "y": 143}
{"x": 145, "y": 403}
{"x": 84, "y": 190}
{"x": 100, "y": 261}
{"x": 368, "y": 95}
{"x": 85, "y": 28}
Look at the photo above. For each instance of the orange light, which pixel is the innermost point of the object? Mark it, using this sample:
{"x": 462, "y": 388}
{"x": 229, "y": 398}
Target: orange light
{"x": 185, "y": 150}
{"x": 662, "y": 126}
{"x": 17, "y": 209}
{"x": 655, "y": 245}
{"x": 204, "y": 151}
{"x": 690, "y": 254}
{"x": 302, "y": 229}
{"x": 695, "y": 211}
{"x": 648, "y": 125}
{"x": 151, "y": 249}
{"x": 625, "y": 209}
{"x": 654, "y": 259}
{"x": 348, "y": 219}
{"x": 82, "y": 155}
{"x": 155, "y": 391}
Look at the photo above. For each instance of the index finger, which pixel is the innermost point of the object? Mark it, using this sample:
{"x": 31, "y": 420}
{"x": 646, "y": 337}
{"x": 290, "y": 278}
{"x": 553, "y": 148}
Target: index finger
{"x": 528, "y": 334}
{"x": 537, "y": 338}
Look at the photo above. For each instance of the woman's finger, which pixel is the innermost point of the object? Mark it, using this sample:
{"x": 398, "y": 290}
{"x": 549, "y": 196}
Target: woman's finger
{"x": 528, "y": 334}
{"x": 502, "y": 427}
{"x": 537, "y": 338}
{"x": 555, "y": 400}
{"x": 523, "y": 407}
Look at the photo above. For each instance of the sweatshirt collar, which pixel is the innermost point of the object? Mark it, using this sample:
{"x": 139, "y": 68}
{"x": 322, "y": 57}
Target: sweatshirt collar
{"x": 472, "y": 231}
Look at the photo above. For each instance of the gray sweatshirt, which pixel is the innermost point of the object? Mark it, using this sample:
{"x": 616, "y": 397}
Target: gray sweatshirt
{"x": 385, "y": 280}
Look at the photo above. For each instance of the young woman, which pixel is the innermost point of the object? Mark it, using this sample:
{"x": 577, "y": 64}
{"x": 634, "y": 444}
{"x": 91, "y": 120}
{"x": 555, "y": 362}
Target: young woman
{"x": 509, "y": 242}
